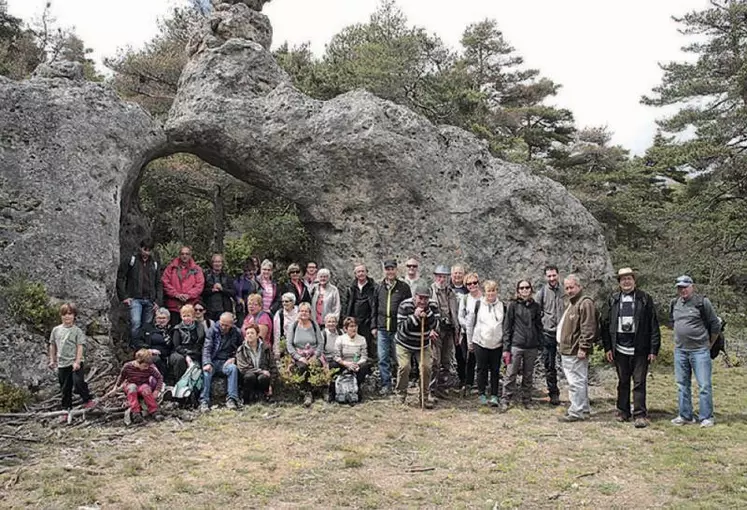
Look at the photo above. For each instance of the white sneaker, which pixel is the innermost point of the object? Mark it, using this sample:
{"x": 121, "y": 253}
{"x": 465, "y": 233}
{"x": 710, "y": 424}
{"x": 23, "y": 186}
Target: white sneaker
{"x": 708, "y": 422}
{"x": 681, "y": 421}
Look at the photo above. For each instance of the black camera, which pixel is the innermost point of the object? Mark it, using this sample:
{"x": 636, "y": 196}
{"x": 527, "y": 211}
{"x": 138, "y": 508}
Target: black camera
{"x": 627, "y": 327}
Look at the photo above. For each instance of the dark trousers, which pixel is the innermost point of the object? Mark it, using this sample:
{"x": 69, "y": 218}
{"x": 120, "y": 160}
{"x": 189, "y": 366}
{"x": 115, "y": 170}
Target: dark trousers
{"x": 214, "y": 315}
{"x": 549, "y": 359}
{"x": 635, "y": 367}
{"x": 465, "y": 364}
{"x": 254, "y": 384}
{"x": 488, "y": 362}
{"x": 178, "y": 364}
{"x": 72, "y": 380}
{"x": 364, "y": 330}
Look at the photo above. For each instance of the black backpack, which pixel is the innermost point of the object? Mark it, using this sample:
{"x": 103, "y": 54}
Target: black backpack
{"x": 719, "y": 345}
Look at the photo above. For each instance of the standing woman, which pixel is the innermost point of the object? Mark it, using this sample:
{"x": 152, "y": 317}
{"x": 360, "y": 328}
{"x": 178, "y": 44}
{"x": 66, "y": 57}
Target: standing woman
{"x": 244, "y": 285}
{"x": 325, "y": 298}
{"x": 283, "y": 320}
{"x": 296, "y": 285}
{"x": 305, "y": 345}
{"x": 485, "y": 338}
{"x": 467, "y": 303}
{"x": 522, "y": 333}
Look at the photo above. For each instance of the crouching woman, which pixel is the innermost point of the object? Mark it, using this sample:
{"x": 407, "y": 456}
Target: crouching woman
{"x": 256, "y": 364}
{"x": 351, "y": 353}
{"x": 141, "y": 379}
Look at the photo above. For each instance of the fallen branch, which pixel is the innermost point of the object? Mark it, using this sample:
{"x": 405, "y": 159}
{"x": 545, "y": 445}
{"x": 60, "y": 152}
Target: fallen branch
{"x": 88, "y": 471}
{"x": 590, "y": 473}
{"x": 27, "y": 439}
{"x": 420, "y": 469}
{"x": 14, "y": 479}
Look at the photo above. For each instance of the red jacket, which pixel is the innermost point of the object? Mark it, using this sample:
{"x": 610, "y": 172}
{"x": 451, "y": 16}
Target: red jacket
{"x": 182, "y": 280}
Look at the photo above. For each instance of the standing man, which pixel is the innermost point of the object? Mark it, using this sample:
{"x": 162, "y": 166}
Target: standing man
{"x": 696, "y": 328}
{"x": 390, "y": 293}
{"x": 550, "y": 299}
{"x": 219, "y": 290}
{"x": 361, "y": 295}
{"x": 409, "y": 315}
{"x": 461, "y": 352}
{"x": 576, "y": 335}
{"x": 139, "y": 286}
{"x": 457, "y": 281}
{"x": 412, "y": 278}
{"x": 443, "y": 346}
{"x": 183, "y": 282}
{"x": 631, "y": 339}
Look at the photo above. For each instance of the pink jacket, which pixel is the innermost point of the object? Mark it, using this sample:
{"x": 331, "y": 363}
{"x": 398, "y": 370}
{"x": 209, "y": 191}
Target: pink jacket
{"x": 182, "y": 280}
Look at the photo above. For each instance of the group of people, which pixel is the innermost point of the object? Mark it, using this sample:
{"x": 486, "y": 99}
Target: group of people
{"x": 452, "y": 334}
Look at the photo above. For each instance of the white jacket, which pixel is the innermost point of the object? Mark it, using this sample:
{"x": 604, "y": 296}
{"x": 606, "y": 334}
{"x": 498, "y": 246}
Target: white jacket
{"x": 486, "y": 330}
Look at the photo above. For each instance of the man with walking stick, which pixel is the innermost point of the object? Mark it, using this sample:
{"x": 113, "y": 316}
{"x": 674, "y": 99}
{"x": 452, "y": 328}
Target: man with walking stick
{"x": 417, "y": 326}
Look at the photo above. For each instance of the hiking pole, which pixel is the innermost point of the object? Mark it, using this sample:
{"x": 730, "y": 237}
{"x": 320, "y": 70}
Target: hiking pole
{"x": 422, "y": 358}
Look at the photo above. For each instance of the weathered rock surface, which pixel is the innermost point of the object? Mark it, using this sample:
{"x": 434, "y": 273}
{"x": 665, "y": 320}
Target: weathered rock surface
{"x": 374, "y": 179}
{"x": 70, "y": 153}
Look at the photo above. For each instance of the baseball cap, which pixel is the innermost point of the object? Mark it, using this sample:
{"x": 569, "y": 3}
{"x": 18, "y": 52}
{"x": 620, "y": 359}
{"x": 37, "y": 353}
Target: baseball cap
{"x": 390, "y": 263}
{"x": 421, "y": 289}
{"x": 684, "y": 281}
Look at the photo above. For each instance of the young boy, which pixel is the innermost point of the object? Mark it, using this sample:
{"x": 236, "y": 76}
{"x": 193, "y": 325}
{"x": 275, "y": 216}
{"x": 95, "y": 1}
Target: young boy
{"x": 141, "y": 378}
{"x": 67, "y": 345}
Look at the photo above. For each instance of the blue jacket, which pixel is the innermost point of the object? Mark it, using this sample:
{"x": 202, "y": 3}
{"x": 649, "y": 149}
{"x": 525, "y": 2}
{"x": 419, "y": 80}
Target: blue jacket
{"x": 219, "y": 347}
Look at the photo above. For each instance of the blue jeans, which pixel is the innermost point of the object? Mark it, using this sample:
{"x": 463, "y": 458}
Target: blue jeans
{"x": 387, "y": 354}
{"x": 141, "y": 312}
{"x": 686, "y": 362}
{"x": 232, "y": 376}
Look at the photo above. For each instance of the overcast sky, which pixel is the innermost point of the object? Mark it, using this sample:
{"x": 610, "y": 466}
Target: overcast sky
{"x": 604, "y": 53}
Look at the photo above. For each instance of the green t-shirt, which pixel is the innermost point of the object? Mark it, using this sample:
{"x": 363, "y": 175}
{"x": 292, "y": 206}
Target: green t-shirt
{"x": 67, "y": 340}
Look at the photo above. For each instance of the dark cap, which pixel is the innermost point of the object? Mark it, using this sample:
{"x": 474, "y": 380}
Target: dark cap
{"x": 390, "y": 263}
{"x": 421, "y": 289}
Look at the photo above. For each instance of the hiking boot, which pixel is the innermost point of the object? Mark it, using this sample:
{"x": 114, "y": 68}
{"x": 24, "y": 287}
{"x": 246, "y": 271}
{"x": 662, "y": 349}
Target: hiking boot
{"x": 528, "y": 404}
{"x": 91, "y": 404}
{"x": 137, "y": 418}
{"x": 621, "y": 418}
{"x": 554, "y": 400}
{"x": 429, "y": 402}
{"x": 679, "y": 421}
{"x": 231, "y": 404}
{"x": 157, "y": 416}
{"x": 494, "y": 401}
{"x": 204, "y": 407}
{"x": 569, "y": 418}
{"x": 707, "y": 423}
{"x": 483, "y": 400}
{"x": 503, "y": 407}
{"x": 439, "y": 393}
{"x": 308, "y": 399}
{"x": 640, "y": 423}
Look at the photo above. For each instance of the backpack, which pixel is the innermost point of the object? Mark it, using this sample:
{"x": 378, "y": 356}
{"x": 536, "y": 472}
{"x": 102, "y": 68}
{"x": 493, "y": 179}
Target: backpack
{"x": 719, "y": 345}
{"x": 346, "y": 388}
{"x": 190, "y": 384}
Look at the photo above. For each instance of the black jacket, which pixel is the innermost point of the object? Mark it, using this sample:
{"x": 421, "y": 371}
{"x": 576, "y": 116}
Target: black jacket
{"x": 221, "y": 301}
{"x": 522, "y": 326}
{"x": 303, "y": 297}
{"x": 132, "y": 276}
{"x": 386, "y": 303}
{"x": 361, "y": 302}
{"x": 647, "y": 338}
{"x": 188, "y": 342}
{"x": 151, "y": 336}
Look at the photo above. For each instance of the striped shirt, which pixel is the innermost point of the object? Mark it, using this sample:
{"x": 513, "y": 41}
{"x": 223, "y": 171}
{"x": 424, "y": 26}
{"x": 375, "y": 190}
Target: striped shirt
{"x": 408, "y": 326}
{"x": 132, "y": 374}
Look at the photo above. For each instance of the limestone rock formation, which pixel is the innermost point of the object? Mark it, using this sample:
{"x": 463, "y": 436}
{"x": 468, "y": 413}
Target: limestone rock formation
{"x": 374, "y": 179}
{"x": 70, "y": 153}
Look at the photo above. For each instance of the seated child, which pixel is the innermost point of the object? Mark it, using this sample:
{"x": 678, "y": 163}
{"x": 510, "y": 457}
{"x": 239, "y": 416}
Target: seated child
{"x": 141, "y": 378}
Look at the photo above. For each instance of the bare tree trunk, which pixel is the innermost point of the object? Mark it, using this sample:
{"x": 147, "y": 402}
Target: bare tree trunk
{"x": 219, "y": 219}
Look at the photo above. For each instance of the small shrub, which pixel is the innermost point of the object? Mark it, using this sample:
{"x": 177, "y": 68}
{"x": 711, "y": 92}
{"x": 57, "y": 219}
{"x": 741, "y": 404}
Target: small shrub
{"x": 350, "y": 461}
{"x": 319, "y": 375}
{"x": 27, "y": 302}
{"x": 12, "y": 398}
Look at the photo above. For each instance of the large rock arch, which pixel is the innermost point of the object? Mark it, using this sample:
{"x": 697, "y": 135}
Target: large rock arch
{"x": 373, "y": 179}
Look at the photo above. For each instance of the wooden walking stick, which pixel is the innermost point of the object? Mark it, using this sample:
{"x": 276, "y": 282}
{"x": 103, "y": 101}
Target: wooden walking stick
{"x": 422, "y": 357}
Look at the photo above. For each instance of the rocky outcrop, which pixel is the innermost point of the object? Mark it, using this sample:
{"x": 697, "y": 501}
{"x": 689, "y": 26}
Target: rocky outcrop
{"x": 70, "y": 153}
{"x": 373, "y": 179}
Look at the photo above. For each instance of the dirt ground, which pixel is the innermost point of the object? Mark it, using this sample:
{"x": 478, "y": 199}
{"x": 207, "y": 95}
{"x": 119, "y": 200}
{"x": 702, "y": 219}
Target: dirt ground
{"x": 380, "y": 454}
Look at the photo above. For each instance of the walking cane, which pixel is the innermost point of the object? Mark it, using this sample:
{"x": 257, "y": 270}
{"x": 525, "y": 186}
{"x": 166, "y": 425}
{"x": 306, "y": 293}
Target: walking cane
{"x": 422, "y": 357}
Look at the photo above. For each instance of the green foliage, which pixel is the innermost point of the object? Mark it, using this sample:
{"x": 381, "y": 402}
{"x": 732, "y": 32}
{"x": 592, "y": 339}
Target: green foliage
{"x": 319, "y": 375}
{"x": 12, "y": 398}
{"x": 27, "y": 302}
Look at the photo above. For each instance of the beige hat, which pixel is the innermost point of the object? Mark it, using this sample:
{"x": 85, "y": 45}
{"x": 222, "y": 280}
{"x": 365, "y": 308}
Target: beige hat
{"x": 625, "y": 271}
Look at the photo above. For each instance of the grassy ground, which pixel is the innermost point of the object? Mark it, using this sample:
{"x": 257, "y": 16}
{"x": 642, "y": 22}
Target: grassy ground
{"x": 380, "y": 454}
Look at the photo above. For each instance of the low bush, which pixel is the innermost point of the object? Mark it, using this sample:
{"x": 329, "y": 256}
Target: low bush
{"x": 27, "y": 302}
{"x": 12, "y": 398}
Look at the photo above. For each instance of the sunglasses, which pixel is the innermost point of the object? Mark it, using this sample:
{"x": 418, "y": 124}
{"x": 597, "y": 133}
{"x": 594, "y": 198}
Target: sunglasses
{"x": 471, "y": 283}
{"x": 524, "y": 287}
{"x": 199, "y": 309}
{"x": 411, "y": 265}
{"x": 287, "y": 301}
{"x": 294, "y": 272}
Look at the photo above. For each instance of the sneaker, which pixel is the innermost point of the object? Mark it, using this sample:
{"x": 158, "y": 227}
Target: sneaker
{"x": 483, "y": 400}
{"x": 555, "y": 400}
{"x": 231, "y": 404}
{"x": 503, "y": 406}
{"x": 137, "y": 418}
{"x": 708, "y": 422}
{"x": 385, "y": 391}
{"x": 204, "y": 407}
{"x": 63, "y": 419}
{"x": 527, "y": 404}
{"x": 569, "y": 418}
{"x": 640, "y": 423}
{"x": 494, "y": 401}
{"x": 621, "y": 418}
{"x": 91, "y": 404}
{"x": 308, "y": 399}
{"x": 128, "y": 416}
{"x": 679, "y": 421}
{"x": 430, "y": 402}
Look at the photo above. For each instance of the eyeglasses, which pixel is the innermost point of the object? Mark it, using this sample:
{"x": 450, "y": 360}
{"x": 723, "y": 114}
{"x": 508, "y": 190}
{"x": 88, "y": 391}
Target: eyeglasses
{"x": 525, "y": 287}
{"x": 471, "y": 283}
{"x": 199, "y": 309}
{"x": 411, "y": 265}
